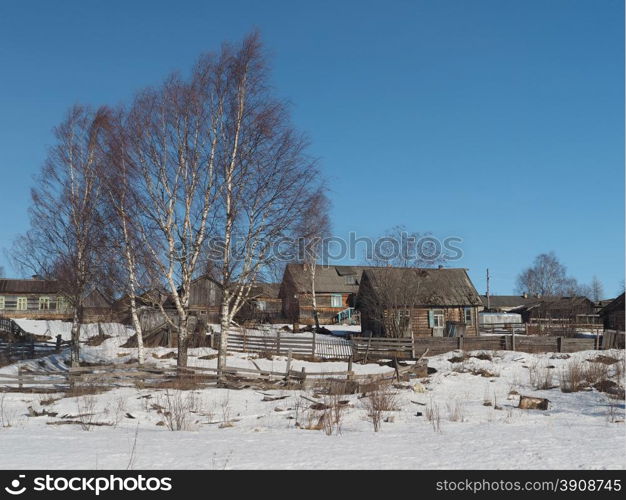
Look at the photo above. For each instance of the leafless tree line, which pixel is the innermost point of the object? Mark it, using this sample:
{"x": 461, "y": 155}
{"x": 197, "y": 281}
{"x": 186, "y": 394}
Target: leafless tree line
{"x": 130, "y": 197}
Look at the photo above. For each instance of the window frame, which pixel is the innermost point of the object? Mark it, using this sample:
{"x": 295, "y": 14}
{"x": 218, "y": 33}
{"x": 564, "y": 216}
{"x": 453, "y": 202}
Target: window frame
{"x": 467, "y": 310}
{"x": 336, "y": 297}
{"x": 45, "y": 300}
{"x": 19, "y": 301}
{"x": 436, "y": 314}
{"x": 2, "y": 302}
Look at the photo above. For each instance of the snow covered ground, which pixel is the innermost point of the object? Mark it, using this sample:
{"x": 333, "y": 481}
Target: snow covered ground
{"x": 478, "y": 423}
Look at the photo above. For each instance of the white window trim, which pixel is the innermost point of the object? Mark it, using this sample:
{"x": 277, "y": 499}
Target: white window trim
{"x": 19, "y": 301}
{"x": 2, "y": 303}
{"x": 44, "y": 300}
{"x": 439, "y": 313}
{"x": 336, "y": 298}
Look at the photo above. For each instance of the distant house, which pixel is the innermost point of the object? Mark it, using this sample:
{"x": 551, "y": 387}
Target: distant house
{"x": 613, "y": 315}
{"x": 575, "y": 309}
{"x": 406, "y": 302}
{"x": 205, "y": 297}
{"x": 263, "y": 304}
{"x": 37, "y": 298}
{"x": 505, "y": 303}
{"x": 335, "y": 290}
{"x": 34, "y": 298}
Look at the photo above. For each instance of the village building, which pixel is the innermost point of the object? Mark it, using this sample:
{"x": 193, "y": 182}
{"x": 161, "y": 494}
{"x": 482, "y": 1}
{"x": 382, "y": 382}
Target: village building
{"x": 38, "y": 298}
{"x": 408, "y": 302}
{"x": 336, "y": 288}
{"x": 263, "y": 305}
{"x": 557, "y": 309}
{"x": 613, "y": 315}
{"x": 34, "y": 298}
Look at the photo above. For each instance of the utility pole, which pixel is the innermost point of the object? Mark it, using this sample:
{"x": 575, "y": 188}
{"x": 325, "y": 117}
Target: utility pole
{"x": 488, "y": 299}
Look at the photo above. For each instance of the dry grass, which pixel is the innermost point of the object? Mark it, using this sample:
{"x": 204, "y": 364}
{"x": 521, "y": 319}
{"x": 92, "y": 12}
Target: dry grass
{"x": 378, "y": 403}
{"x": 177, "y": 407}
{"x": 433, "y": 415}
{"x": 541, "y": 376}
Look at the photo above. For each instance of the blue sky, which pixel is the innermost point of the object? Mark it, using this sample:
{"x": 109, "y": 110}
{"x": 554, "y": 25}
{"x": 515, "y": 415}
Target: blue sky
{"x": 497, "y": 121}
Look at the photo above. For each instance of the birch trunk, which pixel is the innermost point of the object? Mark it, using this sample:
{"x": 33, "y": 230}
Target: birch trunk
{"x": 224, "y": 325}
{"x": 75, "y": 333}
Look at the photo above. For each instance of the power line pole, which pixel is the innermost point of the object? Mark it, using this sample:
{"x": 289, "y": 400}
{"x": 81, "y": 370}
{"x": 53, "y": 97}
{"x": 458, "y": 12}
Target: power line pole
{"x": 488, "y": 299}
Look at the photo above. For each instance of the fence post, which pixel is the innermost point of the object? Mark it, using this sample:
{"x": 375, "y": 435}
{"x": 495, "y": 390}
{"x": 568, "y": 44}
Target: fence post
{"x": 58, "y": 345}
{"x": 559, "y": 344}
{"x": 32, "y": 348}
{"x": 288, "y": 366}
{"x": 460, "y": 343}
{"x": 597, "y": 340}
{"x": 313, "y": 343}
{"x": 367, "y": 350}
{"x": 512, "y": 339}
{"x": 278, "y": 343}
{"x": 19, "y": 376}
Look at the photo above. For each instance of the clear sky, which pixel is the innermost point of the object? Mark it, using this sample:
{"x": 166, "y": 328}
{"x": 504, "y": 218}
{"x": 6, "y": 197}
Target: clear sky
{"x": 497, "y": 121}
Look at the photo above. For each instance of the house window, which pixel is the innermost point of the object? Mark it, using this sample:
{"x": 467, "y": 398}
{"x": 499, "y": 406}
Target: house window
{"x": 437, "y": 318}
{"x": 335, "y": 301}
{"x": 1, "y": 302}
{"x": 22, "y": 303}
{"x": 61, "y": 303}
{"x": 467, "y": 315}
{"x": 261, "y": 305}
{"x": 350, "y": 279}
{"x": 44, "y": 303}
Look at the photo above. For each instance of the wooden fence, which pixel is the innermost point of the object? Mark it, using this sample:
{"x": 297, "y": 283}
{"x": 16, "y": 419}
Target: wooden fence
{"x": 14, "y": 351}
{"x": 376, "y": 348}
{"x": 315, "y": 346}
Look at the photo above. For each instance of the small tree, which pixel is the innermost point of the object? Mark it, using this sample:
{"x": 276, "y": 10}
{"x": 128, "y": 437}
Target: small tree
{"x": 66, "y": 227}
{"x": 548, "y": 276}
{"x": 597, "y": 290}
{"x": 311, "y": 231}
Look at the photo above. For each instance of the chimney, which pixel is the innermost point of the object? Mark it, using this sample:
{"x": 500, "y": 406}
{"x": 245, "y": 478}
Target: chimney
{"x": 37, "y": 277}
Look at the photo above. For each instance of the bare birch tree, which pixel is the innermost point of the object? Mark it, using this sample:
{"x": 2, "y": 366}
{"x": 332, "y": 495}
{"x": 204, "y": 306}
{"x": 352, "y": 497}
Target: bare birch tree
{"x": 311, "y": 231}
{"x": 174, "y": 132}
{"x": 66, "y": 228}
{"x": 267, "y": 181}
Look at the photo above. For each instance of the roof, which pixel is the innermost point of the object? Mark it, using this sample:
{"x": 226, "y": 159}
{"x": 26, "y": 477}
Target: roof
{"x": 29, "y": 286}
{"x": 496, "y": 301}
{"x": 615, "y": 304}
{"x": 265, "y": 290}
{"x": 556, "y": 303}
{"x": 435, "y": 287}
{"x": 327, "y": 278}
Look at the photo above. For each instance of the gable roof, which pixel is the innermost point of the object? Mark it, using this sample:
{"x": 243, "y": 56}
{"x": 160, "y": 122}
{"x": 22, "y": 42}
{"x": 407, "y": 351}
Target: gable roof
{"x": 29, "y": 286}
{"x": 328, "y": 278}
{"x": 496, "y": 301}
{"x": 265, "y": 290}
{"x": 615, "y": 304}
{"x": 435, "y": 287}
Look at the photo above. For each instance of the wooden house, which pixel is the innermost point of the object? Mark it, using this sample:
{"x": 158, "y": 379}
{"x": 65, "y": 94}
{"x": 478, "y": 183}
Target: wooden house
{"x": 205, "y": 297}
{"x": 34, "y": 298}
{"x": 409, "y": 302}
{"x": 263, "y": 304}
{"x": 558, "y": 309}
{"x": 505, "y": 303}
{"x": 613, "y": 315}
{"x": 335, "y": 290}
